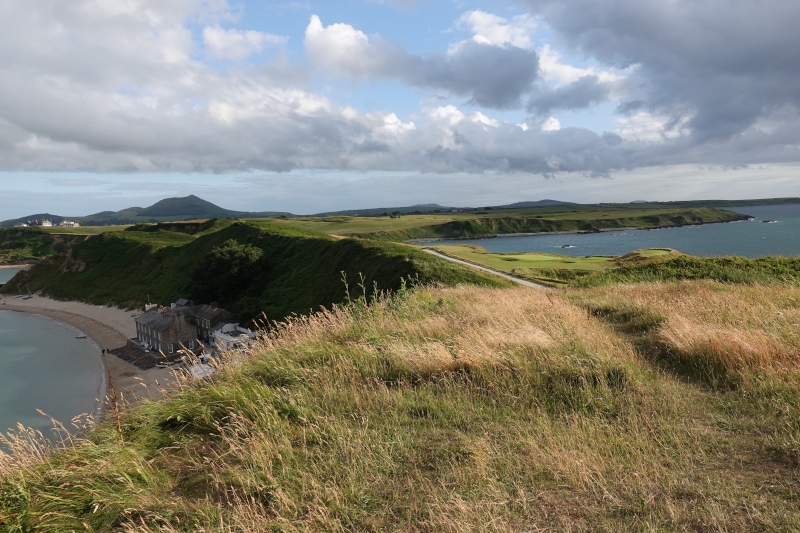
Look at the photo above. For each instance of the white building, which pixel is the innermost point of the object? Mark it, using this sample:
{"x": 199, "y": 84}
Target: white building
{"x": 228, "y": 337}
{"x": 69, "y": 224}
{"x": 44, "y": 223}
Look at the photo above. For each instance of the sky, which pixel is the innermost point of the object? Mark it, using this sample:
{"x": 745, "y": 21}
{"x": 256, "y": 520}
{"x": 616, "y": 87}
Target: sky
{"x": 307, "y": 106}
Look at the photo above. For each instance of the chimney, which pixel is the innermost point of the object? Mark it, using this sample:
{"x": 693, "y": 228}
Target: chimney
{"x": 214, "y": 305}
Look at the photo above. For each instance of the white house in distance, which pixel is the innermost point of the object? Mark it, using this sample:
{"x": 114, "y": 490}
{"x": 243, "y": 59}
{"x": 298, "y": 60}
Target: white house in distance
{"x": 69, "y": 224}
{"x": 230, "y": 336}
{"x": 44, "y": 223}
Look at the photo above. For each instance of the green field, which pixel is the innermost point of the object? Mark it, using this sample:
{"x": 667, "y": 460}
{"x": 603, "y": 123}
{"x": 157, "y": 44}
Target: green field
{"x": 481, "y": 223}
{"x": 543, "y": 267}
{"x": 84, "y": 230}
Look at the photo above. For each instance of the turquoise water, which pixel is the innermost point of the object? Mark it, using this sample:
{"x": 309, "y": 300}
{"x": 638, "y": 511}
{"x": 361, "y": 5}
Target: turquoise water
{"x": 43, "y": 366}
{"x": 749, "y": 239}
{"x": 7, "y": 273}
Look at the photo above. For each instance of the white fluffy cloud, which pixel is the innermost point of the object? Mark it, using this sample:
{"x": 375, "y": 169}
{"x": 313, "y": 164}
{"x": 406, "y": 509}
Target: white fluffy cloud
{"x": 489, "y": 74}
{"x": 237, "y": 44}
{"x": 488, "y": 28}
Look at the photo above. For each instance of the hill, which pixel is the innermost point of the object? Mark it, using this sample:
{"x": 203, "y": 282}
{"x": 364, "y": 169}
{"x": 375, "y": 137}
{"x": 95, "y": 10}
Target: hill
{"x": 292, "y": 270}
{"x": 539, "y": 203}
{"x": 170, "y": 209}
{"x": 22, "y": 245}
{"x": 641, "y": 407}
{"x": 723, "y": 203}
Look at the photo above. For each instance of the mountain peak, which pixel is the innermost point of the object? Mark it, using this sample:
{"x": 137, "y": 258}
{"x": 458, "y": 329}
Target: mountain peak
{"x": 184, "y": 206}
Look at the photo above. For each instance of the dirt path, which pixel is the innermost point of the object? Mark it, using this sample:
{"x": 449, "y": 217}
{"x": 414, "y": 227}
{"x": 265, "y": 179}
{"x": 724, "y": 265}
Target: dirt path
{"x": 521, "y": 281}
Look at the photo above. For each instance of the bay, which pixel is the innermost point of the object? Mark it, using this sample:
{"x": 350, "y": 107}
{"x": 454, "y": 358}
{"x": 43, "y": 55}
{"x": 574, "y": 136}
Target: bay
{"x": 7, "y": 273}
{"x": 44, "y": 366}
{"x": 775, "y": 231}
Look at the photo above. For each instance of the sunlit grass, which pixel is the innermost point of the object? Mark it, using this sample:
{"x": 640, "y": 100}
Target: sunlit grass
{"x": 460, "y": 409}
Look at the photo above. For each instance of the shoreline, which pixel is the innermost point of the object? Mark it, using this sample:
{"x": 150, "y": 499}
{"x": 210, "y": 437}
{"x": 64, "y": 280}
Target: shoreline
{"x": 543, "y": 233}
{"x": 107, "y": 328}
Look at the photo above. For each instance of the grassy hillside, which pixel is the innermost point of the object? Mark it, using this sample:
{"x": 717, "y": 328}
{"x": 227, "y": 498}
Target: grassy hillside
{"x": 298, "y": 271}
{"x": 533, "y": 220}
{"x": 27, "y": 244}
{"x": 552, "y": 269}
{"x": 684, "y": 267}
{"x": 663, "y": 407}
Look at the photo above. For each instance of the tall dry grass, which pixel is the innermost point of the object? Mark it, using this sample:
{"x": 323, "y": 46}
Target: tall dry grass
{"x": 726, "y": 332}
{"x": 439, "y": 410}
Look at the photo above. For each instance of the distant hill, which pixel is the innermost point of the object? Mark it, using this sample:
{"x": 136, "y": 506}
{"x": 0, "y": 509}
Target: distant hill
{"x": 167, "y": 210}
{"x": 190, "y": 206}
{"x": 436, "y": 208}
{"x": 378, "y": 211}
{"x": 539, "y": 203}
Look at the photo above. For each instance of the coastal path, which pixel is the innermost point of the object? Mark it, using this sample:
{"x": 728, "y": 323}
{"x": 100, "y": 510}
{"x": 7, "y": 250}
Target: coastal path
{"x": 525, "y": 282}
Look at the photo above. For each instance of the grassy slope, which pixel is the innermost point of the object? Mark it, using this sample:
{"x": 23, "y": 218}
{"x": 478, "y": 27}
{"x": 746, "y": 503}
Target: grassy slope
{"x": 544, "y": 267}
{"x": 26, "y": 244}
{"x": 685, "y": 267}
{"x": 550, "y": 219}
{"x": 461, "y": 410}
{"x": 301, "y": 269}
{"x": 85, "y": 230}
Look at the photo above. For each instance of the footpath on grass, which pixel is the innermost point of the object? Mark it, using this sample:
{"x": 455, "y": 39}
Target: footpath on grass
{"x": 525, "y": 282}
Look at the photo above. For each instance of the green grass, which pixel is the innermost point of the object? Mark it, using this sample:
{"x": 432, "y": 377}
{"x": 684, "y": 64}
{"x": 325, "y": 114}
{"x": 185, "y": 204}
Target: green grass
{"x": 29, "y": 244}
{"x": 85, "y": 230}
{"x": 448, "y": 410}
{"x": 544, "y": 267}
{"x": 762, "y": 270}
{"x": 300, "y": 270}
{"x": 535, "y": 220}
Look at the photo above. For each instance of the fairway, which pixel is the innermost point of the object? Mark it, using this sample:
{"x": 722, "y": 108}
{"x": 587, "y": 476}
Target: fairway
{"x": 544, "y": 267}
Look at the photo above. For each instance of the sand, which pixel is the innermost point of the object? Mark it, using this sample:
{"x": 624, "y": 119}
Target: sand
{"x": 109, "y": 328}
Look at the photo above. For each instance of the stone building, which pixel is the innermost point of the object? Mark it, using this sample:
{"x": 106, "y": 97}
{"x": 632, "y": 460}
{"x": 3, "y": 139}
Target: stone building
{"x": 167, "y": 330}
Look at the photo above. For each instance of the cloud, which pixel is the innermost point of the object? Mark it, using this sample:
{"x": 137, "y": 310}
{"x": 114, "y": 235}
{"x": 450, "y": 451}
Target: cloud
{"x": 488, "y": 28}
{"x": 551, "y": 124}
{"x": 120, "y": 87}
{"x": 580, "y": 94}
{"x": 490, "y": 75}
{"x": 237, "y": 44}
{"x": 726, "y": 65}
{"x": 77, "y": 182}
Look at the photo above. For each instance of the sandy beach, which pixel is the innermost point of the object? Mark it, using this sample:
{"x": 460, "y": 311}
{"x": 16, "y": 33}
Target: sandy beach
{"x": 109, "y": 328}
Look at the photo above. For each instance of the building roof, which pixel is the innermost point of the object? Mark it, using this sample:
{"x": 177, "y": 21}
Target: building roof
{"x": 213, "y": 314}
{"x": 156, "y": 320}
{"x": 182, "y": 302}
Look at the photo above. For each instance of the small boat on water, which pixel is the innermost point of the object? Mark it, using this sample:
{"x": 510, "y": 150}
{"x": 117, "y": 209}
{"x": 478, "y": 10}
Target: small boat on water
{"x": 82, "y": 337}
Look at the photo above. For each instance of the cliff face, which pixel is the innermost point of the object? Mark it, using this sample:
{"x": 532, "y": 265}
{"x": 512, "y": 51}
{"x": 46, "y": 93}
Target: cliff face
{"x": 486, "y": 226}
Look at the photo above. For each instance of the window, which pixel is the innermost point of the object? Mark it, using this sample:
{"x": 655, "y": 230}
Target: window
{"x": 191, "y": 345}
{"x": 171, "y": 348}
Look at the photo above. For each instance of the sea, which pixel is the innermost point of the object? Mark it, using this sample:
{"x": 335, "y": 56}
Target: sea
{"x": 45, "y": 366}
{"x": 7, "y": 273}
{"x": 775, "y": 230}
